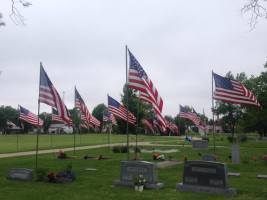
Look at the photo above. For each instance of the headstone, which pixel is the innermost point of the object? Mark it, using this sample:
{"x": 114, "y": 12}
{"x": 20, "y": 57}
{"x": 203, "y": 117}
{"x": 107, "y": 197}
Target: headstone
{"x": 207, "y": 157}
{"x": 20, "y": 174}
{"x": 262, "y": 176}
{"x": 235, "y": 154}
{"x": 206, "y": 138}
{"x": 131, "y": 169}
{"x": 206, "y": 177}
{"x": 235, "y": 175}
{"x": 200, "y": 145}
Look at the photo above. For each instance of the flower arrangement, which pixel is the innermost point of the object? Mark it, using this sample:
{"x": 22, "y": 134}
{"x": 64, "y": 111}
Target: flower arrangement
{"x": 215, "y": 157}
{"x": 100, "y": 157}
{"x": 85, "y": 156}
{"x": 67, "y": 173}
{"x": 185, "y": 157}
{"x": 155, "y": 156}
{"x": 255, "y": 159}
{"x": 62, "y": 155}
{"x": 51, "y": 177}
{"x": 139, "y": 180}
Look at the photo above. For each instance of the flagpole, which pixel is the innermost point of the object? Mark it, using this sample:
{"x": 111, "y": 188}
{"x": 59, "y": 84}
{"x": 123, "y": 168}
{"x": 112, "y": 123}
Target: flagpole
{"x": 126, "y": 48}
{"x": 136, "y": 130}
{"x": 213, "y": 114}
{"x": 38, "y": 130}
{"x": 74, "y": 125}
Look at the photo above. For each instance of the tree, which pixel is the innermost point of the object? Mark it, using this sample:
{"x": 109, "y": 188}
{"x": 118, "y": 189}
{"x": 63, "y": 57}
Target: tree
{"x": 255, "y": 119}
{"x": 98, "y": 113}
{"x": 16, "y": 15}
{"x": 47, "y": 118}
{"x": 256, "y": 9}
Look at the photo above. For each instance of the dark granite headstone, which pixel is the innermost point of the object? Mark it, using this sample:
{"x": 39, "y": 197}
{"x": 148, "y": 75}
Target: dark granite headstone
{"x": 207, "y": 157}
{"x": 20, "y": 174}
{"x": 206, "y": 138}
{"x": 200, "y": 145}
{"x": 131, "y": 169}
{"x": 205, "y": 177}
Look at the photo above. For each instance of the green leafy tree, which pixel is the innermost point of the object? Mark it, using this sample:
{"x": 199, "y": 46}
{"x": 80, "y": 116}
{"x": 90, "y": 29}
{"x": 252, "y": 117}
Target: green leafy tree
{"x": 47, "y": 118}
{"x": 254, "y": 118}
{"x": 98, "y": 113}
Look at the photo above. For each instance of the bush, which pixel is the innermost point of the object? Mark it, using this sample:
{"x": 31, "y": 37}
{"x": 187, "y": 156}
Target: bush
{"x": 40, "y": 173}
{"x": 244, "y": 138}
{"x": 116, "y": 149}
{"x": 230, "y": 139}
{"x": 124, "y": 149}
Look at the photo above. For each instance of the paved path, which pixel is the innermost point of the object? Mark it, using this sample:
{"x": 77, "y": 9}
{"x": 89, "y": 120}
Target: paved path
{"x": 5, "y": 155}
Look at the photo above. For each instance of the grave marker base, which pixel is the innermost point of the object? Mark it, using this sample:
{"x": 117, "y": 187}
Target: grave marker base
{"x": 202, "y": 189}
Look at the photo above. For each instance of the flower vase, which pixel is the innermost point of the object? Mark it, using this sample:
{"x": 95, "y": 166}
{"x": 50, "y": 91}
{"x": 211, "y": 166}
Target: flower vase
{"x": 136, "y": 188}
{"x": 141, "y": 188}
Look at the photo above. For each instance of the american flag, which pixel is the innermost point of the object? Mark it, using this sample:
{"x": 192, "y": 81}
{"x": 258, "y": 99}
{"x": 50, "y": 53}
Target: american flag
{"x": 120, "y": 111}
{"x": 232, "y": 91}
{"x": 56, "y": 117}
{"x": 139, "y": 80}
{"x": 79, "y": 104}
{"x": 29, "y": 117}
{"x": 107, "y": 115}
{"x": 49, "y": 95}
{"x": 94, "y": 121}
{"x": 193, "y": 116}
{"x": 84, "y": 126}
{"x": 10, "y": 123}
{"x": 156, "y": 124}
{"x": 144, "y": 121}
{"x": 183, "y": 112}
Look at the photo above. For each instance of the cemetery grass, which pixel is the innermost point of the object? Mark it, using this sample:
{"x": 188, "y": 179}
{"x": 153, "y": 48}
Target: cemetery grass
{"x": 99, "y": 184}
{"x": 8, "y": 143}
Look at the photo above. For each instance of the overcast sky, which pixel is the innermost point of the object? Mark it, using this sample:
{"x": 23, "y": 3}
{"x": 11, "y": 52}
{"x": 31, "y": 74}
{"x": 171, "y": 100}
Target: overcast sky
{"x": 82, "y": 43}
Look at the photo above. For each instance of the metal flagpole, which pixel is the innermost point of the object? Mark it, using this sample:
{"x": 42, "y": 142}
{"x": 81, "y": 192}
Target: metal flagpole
{"x": 136, "y": 130}
{"x": 213, "y": 115}
{"x": 127, "y": 104}
{"x": 80, "y": 121}
{"x": 38, "y": 130}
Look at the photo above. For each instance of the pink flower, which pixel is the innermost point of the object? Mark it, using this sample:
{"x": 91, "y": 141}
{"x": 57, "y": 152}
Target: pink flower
{"x": 265, "y": 157}
{"x": 255, "y": 159}
{"x": 185, "y": 156}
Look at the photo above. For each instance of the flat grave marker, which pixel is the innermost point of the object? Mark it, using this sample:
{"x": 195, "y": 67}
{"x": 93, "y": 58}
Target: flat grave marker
{"x": 20, "y": 174}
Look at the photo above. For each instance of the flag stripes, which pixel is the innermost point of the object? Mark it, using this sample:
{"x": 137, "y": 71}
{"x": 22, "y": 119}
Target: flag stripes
{"x": 29, "y": 117}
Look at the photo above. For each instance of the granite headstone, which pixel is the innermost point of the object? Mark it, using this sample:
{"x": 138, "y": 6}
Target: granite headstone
{"x": 235, "y": 154}
{"x": 20, "y": 174}
{"x": 208, "y": 157}
{"x": 205, "y": 177}
{"x": 131, "y": 169}
{"x": 200, "y": 145}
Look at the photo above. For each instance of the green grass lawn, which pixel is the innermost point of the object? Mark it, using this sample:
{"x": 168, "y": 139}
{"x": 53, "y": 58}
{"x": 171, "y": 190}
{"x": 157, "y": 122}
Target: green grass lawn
{"x": 99, "y": 184}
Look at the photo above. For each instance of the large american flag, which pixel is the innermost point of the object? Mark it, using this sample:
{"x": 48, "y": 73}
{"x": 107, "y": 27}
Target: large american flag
{"x": 144, "y": 121}
{"x": 139, "y": 80}
{"x": 79, "y": 104}
{"x": 49, "y": 95}
{"x": 94, "y": 121}
{"x": 10, "y": 123}
{"x": 29, "y": 117}
{"x": 232, "y": 91}
{"x": 107, "y": 115}
{"x": 120, "y": 111}
{"x": 56, "y": 117}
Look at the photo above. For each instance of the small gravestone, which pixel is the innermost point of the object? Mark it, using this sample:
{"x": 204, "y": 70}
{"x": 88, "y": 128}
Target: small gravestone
{"x": 132, "y": 169}
{"x": 262, "y": 176}
{"x": 235, "y": 154}
{"x": 200, "y": 145}
{"x": 234, "y": 175}
{"x": 20, "y": 174}
{"x": 207, "y": 157}
{"x": 206, "y": 138}
{"x": 206, "y": 177}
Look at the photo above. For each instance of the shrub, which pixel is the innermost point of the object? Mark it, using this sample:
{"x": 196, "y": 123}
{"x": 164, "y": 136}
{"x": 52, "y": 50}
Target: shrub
{"x": 116, "y": 149}
{"x": 124, "y": 149}
{"x": 40, "y": 173}
{"x": 230, "y": 139}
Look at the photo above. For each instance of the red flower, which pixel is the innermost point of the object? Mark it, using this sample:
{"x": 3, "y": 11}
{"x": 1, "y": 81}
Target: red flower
{"x": 265, "y": 157}
{"x": 51, "y": 175}
{"x": 100, "y": 157}
{"x": 255, "y": 159}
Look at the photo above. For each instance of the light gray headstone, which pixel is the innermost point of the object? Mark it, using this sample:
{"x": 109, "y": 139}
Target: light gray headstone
{"x": 235, "y": 154}
{"x": 200, "y": 145}
{"x": 20, "y": 174}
